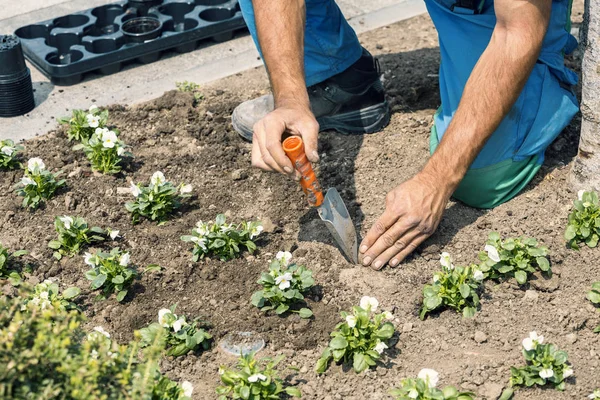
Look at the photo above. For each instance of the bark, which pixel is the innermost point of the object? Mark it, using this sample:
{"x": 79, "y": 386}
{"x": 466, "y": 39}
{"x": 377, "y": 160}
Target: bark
{"x": 586, "y": 168}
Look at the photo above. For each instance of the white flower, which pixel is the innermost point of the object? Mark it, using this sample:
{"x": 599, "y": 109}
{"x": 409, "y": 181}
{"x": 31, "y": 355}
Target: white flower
{"x": 436, "y": 278}
{"x": 199, "y": 241}
{"x": 201, "y": 228}
{"x": 67, "y": 221}
{"x": 225, "y": 227}
{"x": 35, "y": 164}
{"x": 124, "y": 260}
{"x": 109, "y": 139}
{"x": 100, "y": 132}
{"x": 8, "y": 150}
{"x": 532, "y": 341}
{"x": 47, "y": 282}
{"x": 351, "y": 321}
{"x": 92, "y": 120}
{"x": 256, "y": 231}
{"x": 26, "y": 181}
{"x": 135, "y": 190}
{"x": 113, "y": 234}
{"x": 595, "y": 395}
{"x": 35, "y": 301}
{"x": 162, "y": 313}
{"x": 157, "y": 179}
{"x": 478, "y": 275}
{"x": 413, "y": 394}
{"x": 492, "y": 252}
{"x": 284, "y": 257}
{"x": 446, "y": 260}
{"x": 102, "y": 331}
{"x": 120, "y": 151}
{"x": 567, "y": 373}
{"x": 388, "y": 315}
{"x": 579, "y": 194}
{"x": 44, "y": 295}
{"x": 88, "y": 258}
{"x": 380, "y": 347}
{"x": 45, "y": 303}
{"x": 177, "y": 325}
{"x": 186, "y": 189}
{"x": 367, "y": 303}
{"x": 92, "y": 108}
{"x": 546, "y": 373}
{"x": 430, "y": 376}
{"x": 256, "y": 377}
{"x": 221, "y": 370}
{"x": 284, "y": 280}
{"x": 94, "y": 354}
{"x": 188, "y": 389}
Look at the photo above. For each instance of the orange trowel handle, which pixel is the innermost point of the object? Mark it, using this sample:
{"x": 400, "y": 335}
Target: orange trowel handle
{"x": 294, "y": 149}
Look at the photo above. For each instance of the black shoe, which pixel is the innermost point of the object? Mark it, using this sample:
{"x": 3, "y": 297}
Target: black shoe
{"x": 351, "y": 102}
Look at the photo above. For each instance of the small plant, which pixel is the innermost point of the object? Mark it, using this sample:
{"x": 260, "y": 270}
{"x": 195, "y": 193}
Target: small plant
{"x": 516, "y": 258}
{"x": 6, "y": 265}
{"x": 104, "y": 150}
{"x": 283, "y": 286}
{"x": 47, "y": 294}
{"x": 545, "y": 365}
{"x": 584, "y": 221}
{"x": 595, "y": 395}
{"x": 8, "y": 154}
{"x": 190, "y": 87}
{"x": 221, "y": 239}
{"x": 361, "y": 338}
{"x": 110, "y": 272}
{"x": 453, "y": 287}
{"x": 74, "y": 234}
{"x": 252, "y": 380}
{"x": 424, "y": 388}
{"x": 83, "y": 123}
{"x": 38, "y": 184}
{"x": 158, "y": 200}
{"x": 181, "y": 337}
{"x": 594, "y": 296}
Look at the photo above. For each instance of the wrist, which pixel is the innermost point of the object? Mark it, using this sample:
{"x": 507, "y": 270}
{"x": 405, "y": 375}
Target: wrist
{"x": 298, "y": 99}
{"x": 443, "y": 177}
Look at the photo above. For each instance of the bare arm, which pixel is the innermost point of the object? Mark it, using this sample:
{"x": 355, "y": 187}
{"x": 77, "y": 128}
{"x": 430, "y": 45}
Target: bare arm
{"x": 414, "y": 209}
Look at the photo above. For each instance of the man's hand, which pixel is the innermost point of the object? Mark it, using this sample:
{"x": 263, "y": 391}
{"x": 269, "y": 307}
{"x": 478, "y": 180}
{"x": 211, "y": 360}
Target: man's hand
{"x": 412, "y": 213}
{"x": 267, "y": 151}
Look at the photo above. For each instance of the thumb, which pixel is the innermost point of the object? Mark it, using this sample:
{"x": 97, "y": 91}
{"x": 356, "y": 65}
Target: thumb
{"x": 310, "y": 134}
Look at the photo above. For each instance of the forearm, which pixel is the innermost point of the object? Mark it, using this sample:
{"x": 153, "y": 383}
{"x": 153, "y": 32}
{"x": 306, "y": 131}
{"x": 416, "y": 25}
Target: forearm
{"x": 280, "y": 28}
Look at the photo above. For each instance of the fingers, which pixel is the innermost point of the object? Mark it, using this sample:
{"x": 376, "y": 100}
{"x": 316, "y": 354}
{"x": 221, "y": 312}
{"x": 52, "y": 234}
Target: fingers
{"x": 260, "y": 136}
{"x": 391, "y": 242}
{"x": 381, "y": 226}
{"x": 273, "y": 131}
{"x": 309, "y": 130}
{"x": 257, "y": 161}
{"x": 410, "y": 247}
{"x": 405, "y": 243}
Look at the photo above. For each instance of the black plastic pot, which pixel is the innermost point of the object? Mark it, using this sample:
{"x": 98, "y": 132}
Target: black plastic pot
{"x": 16, "y": 90}
{"x": 141, "y": 7}
{"x": 142, "y": 29}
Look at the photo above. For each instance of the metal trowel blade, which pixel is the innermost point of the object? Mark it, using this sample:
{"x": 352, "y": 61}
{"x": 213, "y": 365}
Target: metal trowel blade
{"x": 334, "y": 213}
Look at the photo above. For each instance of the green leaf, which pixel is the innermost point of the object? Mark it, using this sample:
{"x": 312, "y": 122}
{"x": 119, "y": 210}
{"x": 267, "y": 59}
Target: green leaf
{"x": 360, "y": 362}
{"x": 292, "y": 391}
{"x": 282, "y": 308}
{"x": 386, "y": 331}
{"x": 54, "y": 244}
{"x": 121, "y": 295}
{"x": 338, "y": 343}
{"x": 507, "y": 394}
{"x": 431, "y": 303}
{"x": 543, "y": 263}
{"x": 305, "y": 313}
{"x": 469, "y": 312}
{"x": 322, "y": 364}
{"x": 257, "y": 299}
{"x": 596, "y": 286}
{"x": 594, "y": 296}
{"x": 71, "y": 293}
{"x": 521, "y": 277}
{"x": 505, "y": 268}
{"x": 98, "y": 281}
{"x": 117, "y": 280}
{"x": 465, "y": 290}
{"x": 245, "y": 392}
{"x": 153, "y": 268}
{"x": 570, "y": 233}
{"x": 19, "y": 253}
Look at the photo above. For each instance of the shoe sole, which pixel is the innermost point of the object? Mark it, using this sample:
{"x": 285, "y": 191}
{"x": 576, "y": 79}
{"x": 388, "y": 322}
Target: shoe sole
{"x": 364, "y": 121}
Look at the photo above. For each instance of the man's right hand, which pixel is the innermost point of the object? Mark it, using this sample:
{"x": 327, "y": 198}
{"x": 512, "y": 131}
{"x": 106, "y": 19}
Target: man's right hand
{"x": 267, "y": 150}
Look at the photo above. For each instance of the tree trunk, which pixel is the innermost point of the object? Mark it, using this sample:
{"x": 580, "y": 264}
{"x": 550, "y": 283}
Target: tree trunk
{"x": 586, "y": 168}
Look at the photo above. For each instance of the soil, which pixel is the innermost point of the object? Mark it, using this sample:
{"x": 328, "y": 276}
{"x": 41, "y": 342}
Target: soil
{"x": 196, "y": 144}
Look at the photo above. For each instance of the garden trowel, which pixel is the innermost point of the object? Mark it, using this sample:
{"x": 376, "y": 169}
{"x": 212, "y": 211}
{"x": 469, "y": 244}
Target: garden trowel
{"x": 331, "y": 207}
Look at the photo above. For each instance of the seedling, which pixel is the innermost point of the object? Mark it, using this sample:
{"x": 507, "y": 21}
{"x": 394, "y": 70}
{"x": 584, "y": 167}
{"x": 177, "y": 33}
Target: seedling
{"x": 6, "y": 265}
{"x": 424, "y": 388}
{"x": 83, "y": 123}
{"x": 284, "y": 285}
{"x": 190, "y": 87}
{"x": 38, "y": 184}
{"x": 513, "y": 257}
{"x": 453, "y": 287}
{"x": 74, "y": 234}
{"x": 594, "y": 296}
{"x": 254, "y": 379}
{"x": 8, "y": 154}
{"x": 584, "y": 221}
{"x": 104, "y": 150}
{"x": 47, "y": 294}
{"x": 181, "y": 337}
{"x": 361, "y": 338}
{"x": 222, "y": 240}
{"x": 156, "y": 201}
{"x": 110, "y": 272}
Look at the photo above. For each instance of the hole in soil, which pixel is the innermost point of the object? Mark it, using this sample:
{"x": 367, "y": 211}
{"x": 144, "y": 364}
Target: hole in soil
{"x": 142, "y": 28}
{"x": 210, "y": 2}
{"x": 64, "y": 58}
{"x": 33, "y": 32}
{"x": 100, "y": 46}
{"x": 63, "y": 41}
{"x": 105, "y": 23}
{"x": 71, "y": 21}
{"x": 178, "y": 11}
{"x": 217, "y": 14}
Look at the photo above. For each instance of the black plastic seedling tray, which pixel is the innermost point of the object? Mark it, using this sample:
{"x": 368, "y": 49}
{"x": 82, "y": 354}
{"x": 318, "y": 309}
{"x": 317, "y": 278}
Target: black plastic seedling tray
{"x": 103, "y": 38}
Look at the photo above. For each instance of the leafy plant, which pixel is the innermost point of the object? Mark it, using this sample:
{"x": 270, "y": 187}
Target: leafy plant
{"x": 181, "y": 337}
{"x": 6, "y": 265}
{"x": 283, "y": 286}
{"x": 546, "y": 364}
{"x": 362, "y": 337}
{"x": 104, "y": 150}
{"x": 156, "y": 201}
{"x": 594, "y": 296}
{"x": 83, "y": 123}
{"x": 595, "y": 395}
{"x": 584, "y": 221}
{"x": 254, "y": 379}
{"x": 190, "y": 87}
{"x": 74, "y": 234}
{"x": 513, "y": 257}
{"x": 47, "y": 294}
{"x": 221, "y": 239}
{"x": 45, "y": 354}
{"x": 110, "y": 272}
{"x": 8, "y": 154}
{"x": 424, "y": 388}
{"x": 38, "y": 184}
{"x": 453, "y": 287}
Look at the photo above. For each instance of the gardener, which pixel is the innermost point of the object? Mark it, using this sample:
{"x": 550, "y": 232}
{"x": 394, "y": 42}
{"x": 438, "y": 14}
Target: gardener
{"x": 504, "y": 88}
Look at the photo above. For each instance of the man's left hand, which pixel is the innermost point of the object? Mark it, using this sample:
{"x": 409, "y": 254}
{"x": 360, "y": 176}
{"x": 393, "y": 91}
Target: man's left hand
{"x": 412, "y": 213}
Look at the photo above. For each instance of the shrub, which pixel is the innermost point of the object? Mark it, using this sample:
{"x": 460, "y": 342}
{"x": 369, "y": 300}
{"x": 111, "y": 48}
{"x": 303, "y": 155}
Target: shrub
{"x": 38, "y": 184}
{"x": 424, "y": 388}
{"x": 7, "y": 265}
{"x": 110, "y": 272}
{"x": 83, "y": 123}
{"x": 584, "y": 221}
{"x": 104, "y": 150}
{"x": 74, "y": 234}
{"x": 8, "y": 154}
